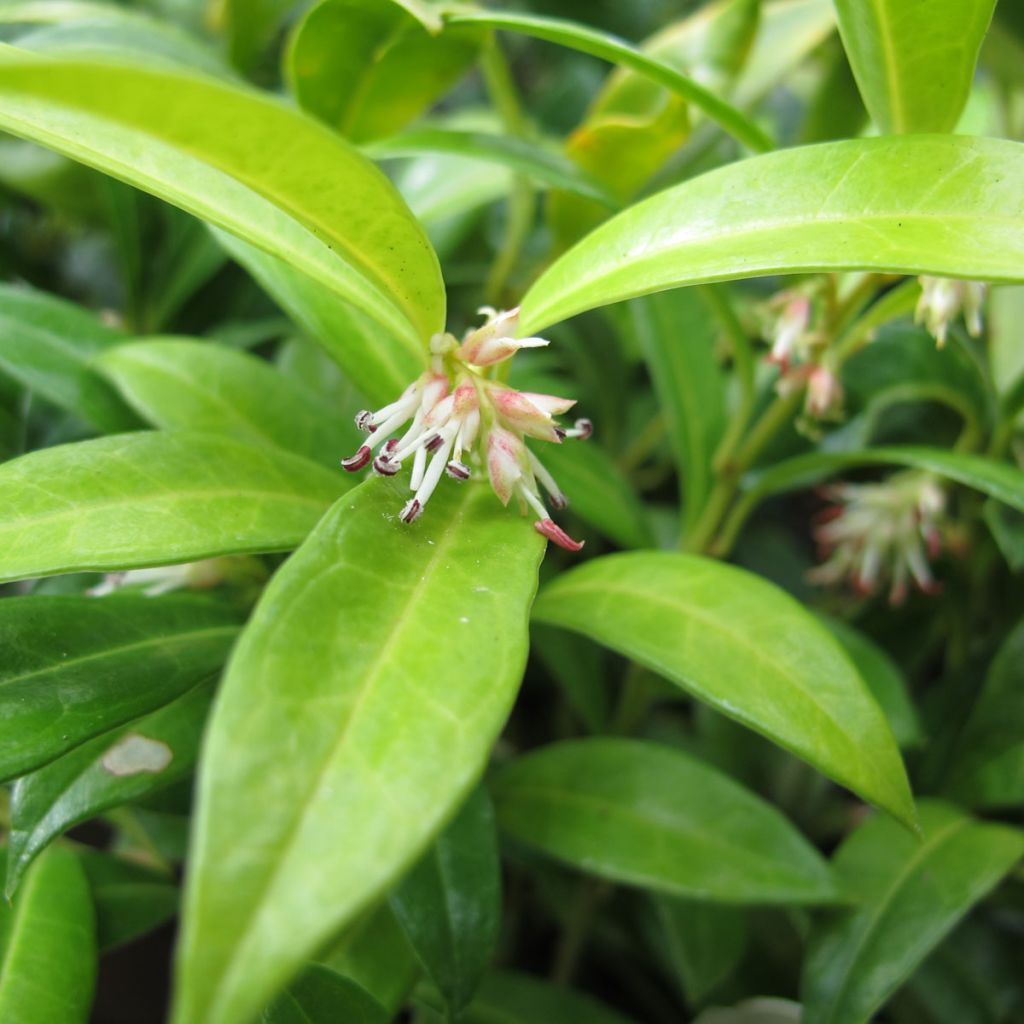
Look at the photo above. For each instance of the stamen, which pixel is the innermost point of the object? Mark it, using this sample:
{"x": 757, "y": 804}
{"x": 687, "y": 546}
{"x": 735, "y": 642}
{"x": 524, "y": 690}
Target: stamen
{"x": 356, "y": 462}
{"x": 550, "y": 529}
{"x": 419, "y": 465}
{"x": 558, "y": 499}
{"x": 457, "y": 470}
{"x": 383, "y": 466}
{"x": 582, "y": 429}
{"x": 433, "y": 442}
{"x": 364, "y": 421}
{"x": 411, "y": 512}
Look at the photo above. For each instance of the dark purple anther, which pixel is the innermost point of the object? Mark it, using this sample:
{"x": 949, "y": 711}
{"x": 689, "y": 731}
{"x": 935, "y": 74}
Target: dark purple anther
{"x": 434, "y": 442}
{"x": 457, "y": 471}
{"x": 411, "y": 512}
{"x": 584, "y": 428}
{"x": 364, "y": 421}
{"x": 357, "y": 461}
{"x": 383, "y": 466}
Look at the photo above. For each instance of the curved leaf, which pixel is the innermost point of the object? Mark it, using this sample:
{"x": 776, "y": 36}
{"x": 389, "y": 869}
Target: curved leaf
{"x": 215, "y": 150}
{"x": 946, "y": 205}
{"x": 137, "y": 759}
{"x": 912, "y": 892}
{"x": 154, "y": 498}
{"x": 397, "y": 674}
{"x": 914, "y": 63}
{"x": 77, "y": 666}
{"x": 369, "y": 67}
{"x": 647, "y": 815}
{"x": 195, "y": 385}
{"x": 322, "y": 996}
{"x": 997, "y": 479}
{"x": 48, "y": 946}
{"x": 608, "y": 47}
{"x": 746, "y": 648}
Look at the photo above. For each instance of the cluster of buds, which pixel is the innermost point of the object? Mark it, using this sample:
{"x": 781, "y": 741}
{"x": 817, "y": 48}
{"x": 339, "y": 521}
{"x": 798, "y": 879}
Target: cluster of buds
{"x": 454, "y": 413}
{"x": 874, "y": 533}
{"x": 943, "y": 299}
{"x": 797, "y": 351}
{"x": 204, "y": 575}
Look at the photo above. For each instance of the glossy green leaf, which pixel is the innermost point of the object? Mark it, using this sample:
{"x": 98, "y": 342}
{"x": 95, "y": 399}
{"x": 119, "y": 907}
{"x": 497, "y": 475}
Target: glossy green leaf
{"x": 154, "y": 498}
{"x": 677, "y": 335}
{"x": 450, "y": 903}
{"x": 376, "y": 955}
{"x": 48, "y": 945}
{"x": 886, "y": 682}
{"x": 130, "y": 900}
{"x": 548, "y": 167}
{"x": 378, "y": 361}
{"x": 77, "y": 666}
{"x": 635, "y": 812}
{"x": 912, "y": 891}
{"x": 214, "y": 150}
{"x": 599, "y": 492}
{"x": 703, "y": 942}
{"x": 137, "y": 759}
{"x": 746, "y": 648}
{"x": 397, "y": 675}
{"x": 193, "y": 385}
{"x": 321, "y": 996}
{"x": 608, "y": 47}
{"x": 841, "y": 205}
{"x": 510, "y": 997}
{"x": 988, "y": 765}
{"x": 914, "y": 62}
{"x": 250, "y": 26}
{"x": 996, "y": 479}
{"x": 369, "y": 67}
{"x": 49, "y": 346}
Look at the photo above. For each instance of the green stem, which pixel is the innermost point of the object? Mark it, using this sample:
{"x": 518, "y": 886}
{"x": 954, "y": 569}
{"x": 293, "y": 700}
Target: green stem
{"x": 589, "y": 896}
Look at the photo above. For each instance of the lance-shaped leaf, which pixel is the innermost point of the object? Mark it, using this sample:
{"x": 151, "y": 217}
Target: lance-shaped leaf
{"x": 946, "y": 205}
{"x": 48, "y": 945}
{"x": 912, "y": 891}
{"x": 177, "y": 383}
{"x": 648, "y": 815}
{"x": 77, "y": 666}
{"x": 450, "y": 903}
{"x": 215, "y": 150}
{"x": 914, "y": 63}
{"x": 322, "y": 996}
{"x": 369, "y": 67}
{"x": 137, "y": 759}
{"x": 48, "y": 346}
{"x": 988, "y": 767}
{"x": 357, "y": 711}
{"x": 746, "y": 648}
{"x": 154, "y": 499}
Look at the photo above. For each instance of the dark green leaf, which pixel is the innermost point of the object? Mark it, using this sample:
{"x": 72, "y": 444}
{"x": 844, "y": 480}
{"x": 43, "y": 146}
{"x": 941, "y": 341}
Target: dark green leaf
{"x": 911, "y": 892}
{"x": 321, "y": 996}
{"x": 152, "y": 499}
{"x": 746, "y": 648}
{"x": 130, "y": 762}
{"x": 635, "y": 812}
{"x": 450, "y": 903}
{"x": 393, "y": 676}
{"x": 77, "y": 666}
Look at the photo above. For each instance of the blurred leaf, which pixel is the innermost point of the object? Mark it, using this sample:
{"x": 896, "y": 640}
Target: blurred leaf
{"x": 575, "y": 664}
{"x": 369, "y": 67}
{"x": 912, "y": 891}
{"x": 250, "y": 26}
{"x": 376, "y": 955}
{"x": 48, "y": 946}
{"x": 375, "y": 359}
{"x": 914, "y": 62}
{"x": 321, "y": 996}
{"x": 154, "y": 498}
{"x": 997, "y": 479}
{"x": 840, "y": 205}
{"x": 395, "y": 678}
{"x": 836, "y": 110}
{"x": 886, "y": 682}
{"x": 632, "y": 811}
{"x": 136, "y": 759}
{"x": 130, "y": 900}
{"x": 1006, "y": 336}
{"x": 746, "y": 648}
{"x": 754, "y": 1011}
{"x": 1007, "y": 526}
{"x": 49, "y": 346}
{"x": 450, "y": 903}
{"x": 677, "y": 335}
{"x": 192, "y": 385}
{"x": 77, "y": 666}
{"x": 203, "y": 145}
{"x": 988, "y": 764}
{"x": 704, "y": 942}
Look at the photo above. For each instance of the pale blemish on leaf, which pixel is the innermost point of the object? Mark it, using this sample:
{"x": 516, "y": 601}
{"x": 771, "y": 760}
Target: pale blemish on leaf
{"x": 135, "y": 753}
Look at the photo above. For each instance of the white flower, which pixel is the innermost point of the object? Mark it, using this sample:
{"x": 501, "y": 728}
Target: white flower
{"x": 942, "y": 300}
